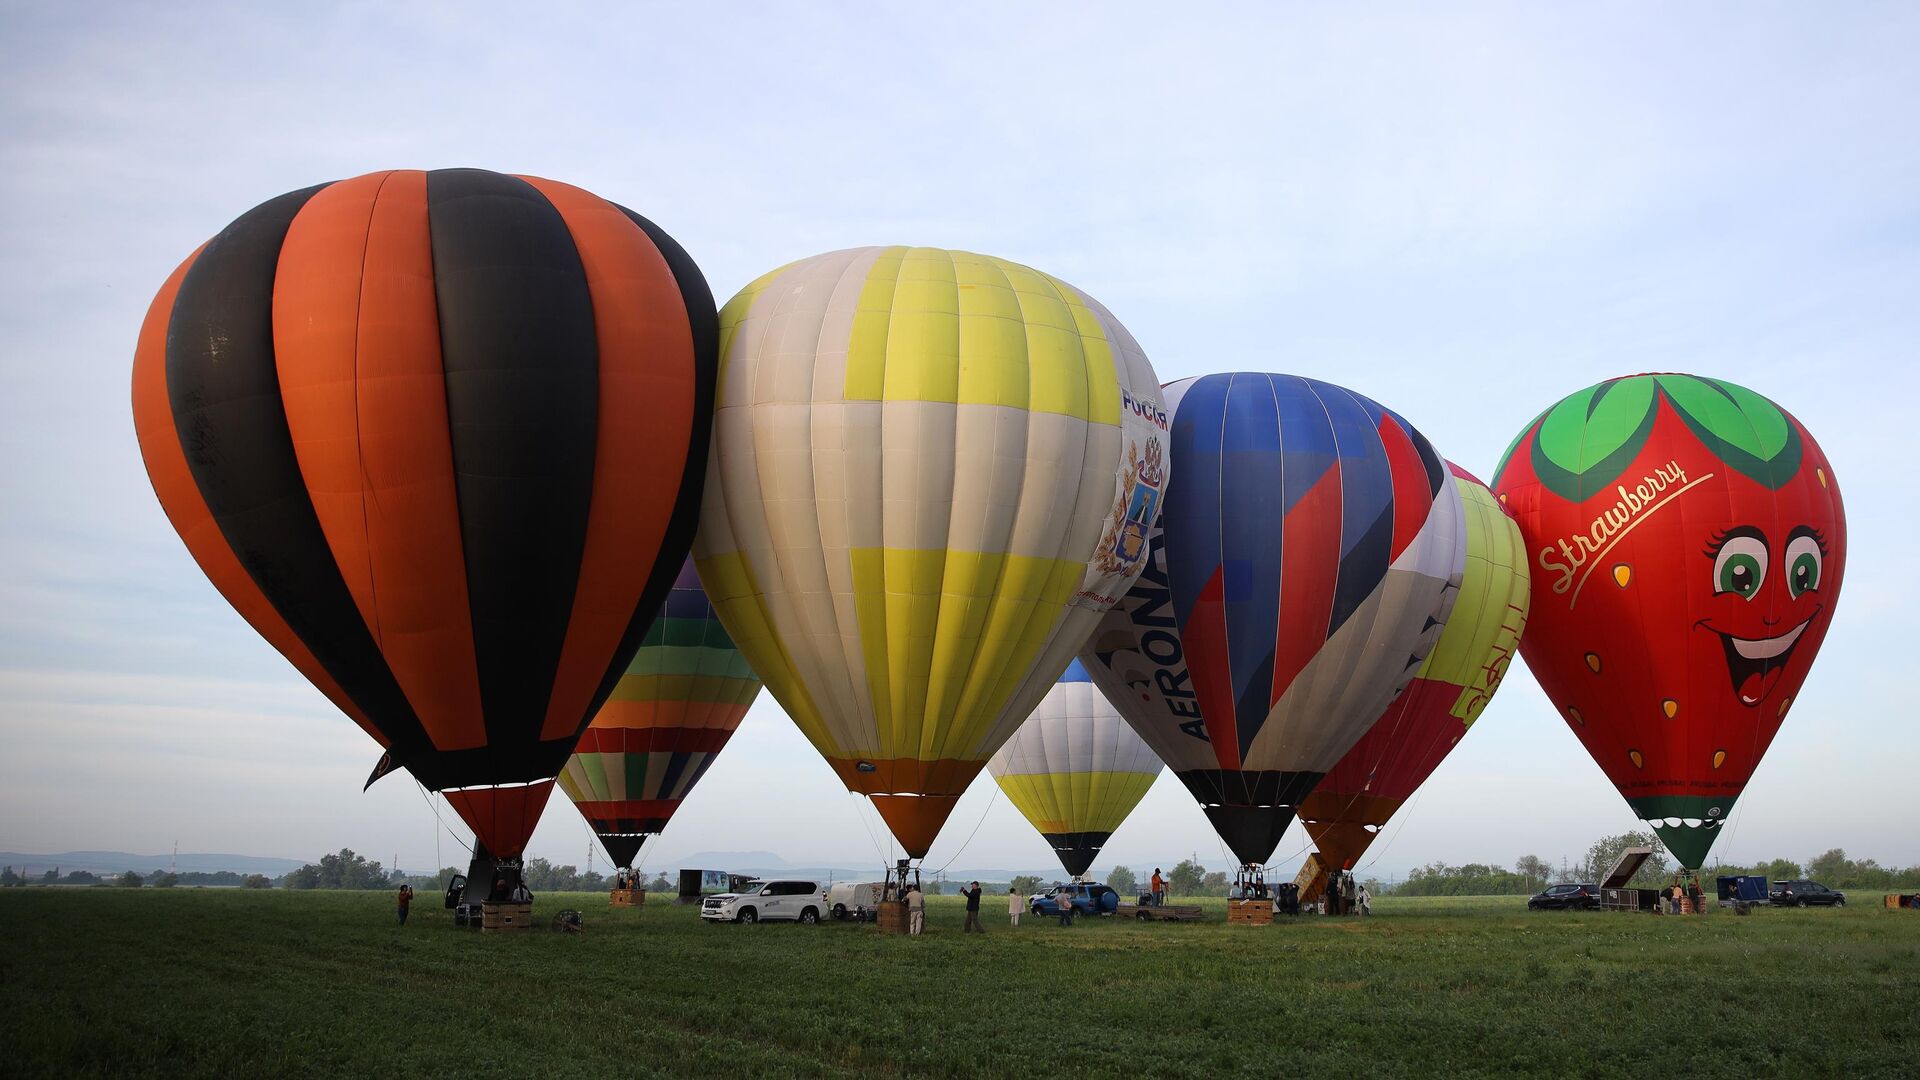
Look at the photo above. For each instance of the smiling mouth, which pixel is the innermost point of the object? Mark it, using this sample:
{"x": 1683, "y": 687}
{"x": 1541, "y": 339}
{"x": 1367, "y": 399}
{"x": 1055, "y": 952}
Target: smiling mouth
{"x": 1754, "y": 664}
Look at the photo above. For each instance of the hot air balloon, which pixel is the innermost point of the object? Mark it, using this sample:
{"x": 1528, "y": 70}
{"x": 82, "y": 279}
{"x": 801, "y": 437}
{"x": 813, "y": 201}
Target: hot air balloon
{"x": 439, "y": 437}
{"x": 932, "y": 472}
{"x": 1312, "y": 545}
{"x": 1354, "y": 800}
{"x": 681, "y": 699}
{"x": 1075, "y": 769}
{"x": 1687, "y": 544}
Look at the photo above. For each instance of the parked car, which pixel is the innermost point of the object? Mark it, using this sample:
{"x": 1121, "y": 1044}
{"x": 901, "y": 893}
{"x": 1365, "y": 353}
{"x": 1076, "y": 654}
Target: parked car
{"x": 856, "y": 900}
{"x": 800, "y": 901}
{"x": 1803, "y": 893}
{"x": 1089, "y": 898}
{"x": 1566, "y": 896}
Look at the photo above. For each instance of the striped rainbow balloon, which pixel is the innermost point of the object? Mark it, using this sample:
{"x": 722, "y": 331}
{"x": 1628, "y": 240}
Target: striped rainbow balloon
{"x": 678, "y": 703}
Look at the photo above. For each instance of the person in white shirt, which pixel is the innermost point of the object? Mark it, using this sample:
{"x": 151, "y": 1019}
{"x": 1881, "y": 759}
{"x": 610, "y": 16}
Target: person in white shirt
{"x": 916, "y": 909}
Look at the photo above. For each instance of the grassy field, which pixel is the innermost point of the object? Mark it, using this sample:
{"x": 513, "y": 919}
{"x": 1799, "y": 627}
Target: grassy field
{"x": 97, "y": 981}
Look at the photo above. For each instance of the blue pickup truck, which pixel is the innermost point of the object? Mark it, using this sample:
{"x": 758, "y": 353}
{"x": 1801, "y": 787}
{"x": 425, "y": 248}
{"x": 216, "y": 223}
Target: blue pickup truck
{"x": 1089, "y": 898}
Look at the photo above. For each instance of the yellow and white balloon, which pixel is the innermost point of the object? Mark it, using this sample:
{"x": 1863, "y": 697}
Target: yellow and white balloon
{"x": 932, "y": 471}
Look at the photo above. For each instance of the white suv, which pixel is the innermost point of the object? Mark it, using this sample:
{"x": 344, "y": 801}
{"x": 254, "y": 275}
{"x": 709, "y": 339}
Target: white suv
{"x": 801, "y": 901}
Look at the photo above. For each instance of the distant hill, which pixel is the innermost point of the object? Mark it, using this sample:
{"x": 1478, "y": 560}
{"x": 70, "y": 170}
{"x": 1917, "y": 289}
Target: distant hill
{"x": 117, "y": 862}
{"x": 745, "y": 862}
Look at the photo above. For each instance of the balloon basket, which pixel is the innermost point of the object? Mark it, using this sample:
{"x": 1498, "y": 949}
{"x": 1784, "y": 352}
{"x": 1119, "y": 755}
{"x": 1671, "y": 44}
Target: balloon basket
{"x": 504, "y": 918}
{"x": 891, "y": 918}
{"x": 627, "y": 897}
{"x": 1250, "y": 912}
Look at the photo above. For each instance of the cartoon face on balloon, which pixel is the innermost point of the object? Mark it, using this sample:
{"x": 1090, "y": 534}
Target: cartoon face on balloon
{"x": 1688, "y": 544}
{"x": 1785, "y": 578}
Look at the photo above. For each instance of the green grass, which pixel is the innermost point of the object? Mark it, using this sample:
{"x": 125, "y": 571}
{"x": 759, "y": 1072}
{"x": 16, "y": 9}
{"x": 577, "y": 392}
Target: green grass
{"x": 96, "y": 981}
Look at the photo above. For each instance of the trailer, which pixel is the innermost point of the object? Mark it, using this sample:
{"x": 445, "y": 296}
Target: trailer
{"x": 1741, "y": 892}
{"x": 1616, "y": 895}
{"x": 1160, "y": 912}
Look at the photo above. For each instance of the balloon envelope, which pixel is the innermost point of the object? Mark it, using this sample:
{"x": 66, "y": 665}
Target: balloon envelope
{"x": 1687, "y": 544}
{"x": 1075, "y": 769}
{"x": 438, "y": 437}
{"x": 1371, "y": 781}
{"x": 680, "y": 700}
{"x": 932, "y": 471}
{"x": 1311, "y": 548}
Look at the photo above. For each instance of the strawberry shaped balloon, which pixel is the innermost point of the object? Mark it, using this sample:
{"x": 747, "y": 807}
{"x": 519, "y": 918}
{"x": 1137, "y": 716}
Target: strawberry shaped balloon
{"x": 1687, "y": 544}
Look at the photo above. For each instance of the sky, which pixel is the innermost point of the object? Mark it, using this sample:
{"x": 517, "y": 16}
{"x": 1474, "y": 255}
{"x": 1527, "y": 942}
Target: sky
{"x": 1464, "y": 215}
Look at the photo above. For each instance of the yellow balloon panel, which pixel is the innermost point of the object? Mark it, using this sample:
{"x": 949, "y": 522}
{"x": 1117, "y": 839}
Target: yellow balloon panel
{"x": 1483, "y": 632}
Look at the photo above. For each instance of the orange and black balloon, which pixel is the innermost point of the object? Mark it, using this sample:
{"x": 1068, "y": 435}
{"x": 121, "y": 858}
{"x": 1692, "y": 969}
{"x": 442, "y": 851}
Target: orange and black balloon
{"x": 439, "y": 437}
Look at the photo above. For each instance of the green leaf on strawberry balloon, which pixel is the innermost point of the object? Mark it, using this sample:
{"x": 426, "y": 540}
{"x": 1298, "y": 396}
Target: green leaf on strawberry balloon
{"x": 1589, "y": 438}
{"x": 1746, "y": 430}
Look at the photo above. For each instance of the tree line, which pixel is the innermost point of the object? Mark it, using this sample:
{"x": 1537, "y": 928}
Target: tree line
{"x": 347, "y": 870}
{"x": 1531, "y": 873}
{"x": 133, "y": 879}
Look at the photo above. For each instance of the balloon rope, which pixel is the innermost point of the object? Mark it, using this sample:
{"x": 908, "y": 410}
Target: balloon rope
{"x": 976, "y": 828}
{"x": 871, "y": 838}
{"x": 1289, "y": 858}
{"x": 1415, "y": 801}
{"x": 443, "y": 822}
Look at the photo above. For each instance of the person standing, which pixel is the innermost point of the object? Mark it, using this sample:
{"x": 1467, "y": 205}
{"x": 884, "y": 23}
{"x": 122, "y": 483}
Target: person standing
{"x": 972, "y": 893}
{"x": 405, "y": 901}
{"x": 1366, "y": 900}
{"x": 916, "y": 908}
{"x": 1063, "y": 899}
{"x": 1159, "y": 888}
{"x": 1014, "y": 905}
{"x": 1673, "y": 896}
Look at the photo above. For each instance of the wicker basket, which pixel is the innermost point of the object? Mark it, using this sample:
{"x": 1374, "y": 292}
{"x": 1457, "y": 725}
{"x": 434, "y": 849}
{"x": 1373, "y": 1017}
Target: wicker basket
{"x": 891, "y": 918}
{"x": 504, "y": 918}
{"x": 1250, "y": 912}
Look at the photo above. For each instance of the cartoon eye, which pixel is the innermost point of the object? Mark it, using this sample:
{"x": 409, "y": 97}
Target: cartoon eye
{"x": 1803, "y": 563}
{"x": 1740, "y": 565}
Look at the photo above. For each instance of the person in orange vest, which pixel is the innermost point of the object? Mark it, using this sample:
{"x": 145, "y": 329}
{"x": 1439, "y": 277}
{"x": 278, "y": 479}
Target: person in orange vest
{"x": 1158, "y": 888}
